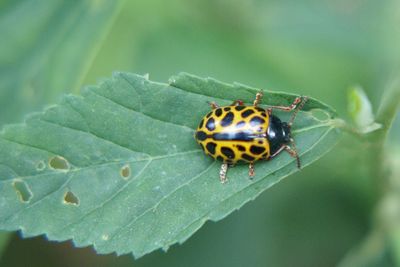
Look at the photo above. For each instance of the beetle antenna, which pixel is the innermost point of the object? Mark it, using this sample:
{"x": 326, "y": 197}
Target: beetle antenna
{"x": 298, "y": 108}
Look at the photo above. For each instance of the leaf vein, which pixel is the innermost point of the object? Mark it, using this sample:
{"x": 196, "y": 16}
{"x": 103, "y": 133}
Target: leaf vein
{"x": 113, "y": 196}
{"x": 35, "y": 147}
{"x": 105, "y": 164}
{"x": 9, "y": 168}
{"x": 142, "y": 113}
{"x": 94, "y": 135}
{"x": 35, "y": 203}
{"x": 163, "y": 199}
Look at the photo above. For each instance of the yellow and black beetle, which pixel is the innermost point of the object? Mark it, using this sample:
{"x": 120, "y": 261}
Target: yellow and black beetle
{"x": 240, "y": 133}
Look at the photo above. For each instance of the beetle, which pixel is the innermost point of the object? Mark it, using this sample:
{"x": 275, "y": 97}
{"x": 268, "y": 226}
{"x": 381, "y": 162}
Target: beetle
{"x": 242, "y": 133}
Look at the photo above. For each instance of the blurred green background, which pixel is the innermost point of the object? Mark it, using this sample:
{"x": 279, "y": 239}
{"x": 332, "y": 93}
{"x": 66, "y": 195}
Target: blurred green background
{"x": 311, "y": 47}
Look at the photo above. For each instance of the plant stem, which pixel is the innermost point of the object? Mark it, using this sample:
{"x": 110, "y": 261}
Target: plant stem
{"x": 386, "y": 114}
{"x": 372, "y": 247}
{"x": 388, "y": 107}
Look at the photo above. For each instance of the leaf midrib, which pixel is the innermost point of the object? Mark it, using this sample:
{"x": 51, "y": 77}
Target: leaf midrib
{"x": 32, "y": 204}
{"x": 150, "y": 159}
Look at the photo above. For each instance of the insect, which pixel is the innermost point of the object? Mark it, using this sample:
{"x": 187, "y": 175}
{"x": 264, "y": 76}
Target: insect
{"x": 240, "y": 133}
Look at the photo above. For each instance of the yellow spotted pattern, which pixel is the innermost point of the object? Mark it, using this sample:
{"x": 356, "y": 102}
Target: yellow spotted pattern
{"x": 235, "y": 133}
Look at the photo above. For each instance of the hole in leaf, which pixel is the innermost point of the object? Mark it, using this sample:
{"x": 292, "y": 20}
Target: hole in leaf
{"x": 23, "y": 191}
{"x": 40, "y": 166}
{"x": 71, "y": 199}
{"x": 59, "y": 163}
{"x": 125, "y": 171}
{"x": 320, "y": 115}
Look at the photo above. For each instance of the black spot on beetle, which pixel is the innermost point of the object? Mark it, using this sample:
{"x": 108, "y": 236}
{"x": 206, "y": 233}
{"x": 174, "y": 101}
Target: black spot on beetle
{"x": 228, "y": 152}
{"x": 264, "y": 114}
{"x": 247, "y": 113}
{"x": 260, "y": 142}
{"x": 201, "y": 124}
{"x": 227, "y": 120}
{"x": 209, "y": 115}
{"x": 240, "y": 124}
{"x": 210, "y": 124}
{"x": 241, "y": 148}
{"x": 247, "y": 157}
{"x": 201, "y": 136}
{"x": 260, "y": 109}
{"x": 211, "y": 147}
{"x": 218, "y": 112}
{"x": 227, "y": 109}
{"x": 257, "y": 150}
{"x": 265, "y": 155}
{"x": 256, "y": 121}
{"x": 239, "y": 108}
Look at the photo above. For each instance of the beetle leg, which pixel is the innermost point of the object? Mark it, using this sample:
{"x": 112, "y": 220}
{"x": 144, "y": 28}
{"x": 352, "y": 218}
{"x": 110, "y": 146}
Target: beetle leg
{"x": 237, "y": 103}
{"x": 300, "y": 106}
{"x": 294, "y": 154}
{"x": 213, "y": 105}
{"x": 259, "y": 96}
{"x": 278, "y": 151}
{"x": 222, "y": 173}
{"x": 251, "y": 170}
{"x": 296, "y": 101}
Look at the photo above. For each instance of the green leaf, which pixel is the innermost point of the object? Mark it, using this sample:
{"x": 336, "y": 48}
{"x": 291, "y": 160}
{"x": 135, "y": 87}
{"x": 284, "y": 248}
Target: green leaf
{"x": 118, "y": 168}
{"x": 47, "y": 47}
